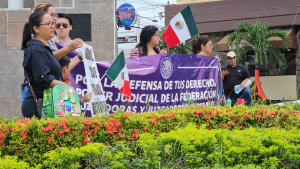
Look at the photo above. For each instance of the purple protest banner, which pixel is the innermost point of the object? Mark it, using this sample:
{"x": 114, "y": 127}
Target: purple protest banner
{"x": 157, "y": 82}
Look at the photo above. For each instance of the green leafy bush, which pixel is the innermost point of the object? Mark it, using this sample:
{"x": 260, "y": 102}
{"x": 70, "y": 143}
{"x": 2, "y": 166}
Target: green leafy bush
{"x": 188, "y": 147}
{"x": 12, "y": 162}
{"x": 195, "y": 147}
{"x": 29, "y": 139}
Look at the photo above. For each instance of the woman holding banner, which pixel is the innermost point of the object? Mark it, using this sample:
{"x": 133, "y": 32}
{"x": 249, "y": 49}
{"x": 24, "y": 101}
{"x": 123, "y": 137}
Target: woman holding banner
{"x": 149, "y": 41}
{"x": 76, "y": 43}
{"x": 41, "y": 68}
{"x": 203, "y": 46}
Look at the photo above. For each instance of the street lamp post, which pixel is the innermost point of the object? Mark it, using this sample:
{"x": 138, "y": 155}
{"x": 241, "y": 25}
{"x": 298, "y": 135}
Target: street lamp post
{"x": 115, "y": 31}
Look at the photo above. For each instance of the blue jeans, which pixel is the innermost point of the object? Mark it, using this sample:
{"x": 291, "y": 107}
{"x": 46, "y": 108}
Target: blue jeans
{"x": 245, "y": 93}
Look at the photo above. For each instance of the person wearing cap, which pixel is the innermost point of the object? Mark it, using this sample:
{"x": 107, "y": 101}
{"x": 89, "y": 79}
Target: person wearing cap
{"x": 235, "y": 74}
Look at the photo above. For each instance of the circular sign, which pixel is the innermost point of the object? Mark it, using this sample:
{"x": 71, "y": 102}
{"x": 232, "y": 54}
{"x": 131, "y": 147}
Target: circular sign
{"x": 166, "y": 67}
{"x": 126, "y": 13}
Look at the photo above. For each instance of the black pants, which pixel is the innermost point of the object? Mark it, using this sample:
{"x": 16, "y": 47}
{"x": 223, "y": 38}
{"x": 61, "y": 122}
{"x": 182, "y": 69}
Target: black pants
{"x": 29, "y": 108}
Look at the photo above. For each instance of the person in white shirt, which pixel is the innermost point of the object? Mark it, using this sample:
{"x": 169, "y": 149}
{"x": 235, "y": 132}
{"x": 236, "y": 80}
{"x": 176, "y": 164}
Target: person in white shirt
{"x": 63, "y": 27}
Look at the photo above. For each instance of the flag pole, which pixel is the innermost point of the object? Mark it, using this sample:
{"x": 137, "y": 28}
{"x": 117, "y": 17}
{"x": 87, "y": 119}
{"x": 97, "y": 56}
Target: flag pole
{"x": 98, "y": 82}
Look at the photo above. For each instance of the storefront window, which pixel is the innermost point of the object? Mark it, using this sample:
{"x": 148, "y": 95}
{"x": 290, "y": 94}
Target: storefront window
{"x": 271, "y": 69}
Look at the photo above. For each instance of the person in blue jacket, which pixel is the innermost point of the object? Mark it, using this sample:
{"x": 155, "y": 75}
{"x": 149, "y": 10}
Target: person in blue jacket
{"x": 41, "y": 67}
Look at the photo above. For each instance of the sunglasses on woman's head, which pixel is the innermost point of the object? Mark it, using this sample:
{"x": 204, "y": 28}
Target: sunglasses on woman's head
{"x": 65, "y": 25}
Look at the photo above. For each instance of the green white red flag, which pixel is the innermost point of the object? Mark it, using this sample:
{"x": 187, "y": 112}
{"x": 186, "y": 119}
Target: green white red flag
{"x": 118, "y": 74}
{"x": 181, "y": 28}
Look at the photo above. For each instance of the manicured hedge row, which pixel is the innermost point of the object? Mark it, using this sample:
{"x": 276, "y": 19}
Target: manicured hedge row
{"x": 267, "y": 148}
{"x": 30, "y": 139}
{"x": 188, "y": 147}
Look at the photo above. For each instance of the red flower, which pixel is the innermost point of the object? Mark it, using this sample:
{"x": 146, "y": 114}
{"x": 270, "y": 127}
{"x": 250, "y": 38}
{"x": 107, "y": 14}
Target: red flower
{"x": 232, "y": 123}
{"x": 87, "y": 139}
{"x": 12, "y": 129}
{"x": 272, "y": 114}
{"x": 262, "y": 110}
{"x": 209, "y": 127}
{"x": 51, "y": 140}
{"x": 153, "y": 121}
{"x": 2, "y": 136}
{"x": 122, "y": 136}
{"x": 126, "y": 116}
{"x": 6, "y": 129}
{"x": 55, "y": 131}
{"x": 61, "y": 133}
{"x": 207, "y": 117}
{"x": 113, "y": 126}
{"x": 211, "y": 111}
{"x": 196, "y": 115}
{"x": 136, "y": 131}
{"x": 87, "y": 122}
{"x": 63, "y": 122}
{"x": 24, "y": 134}
{"x": 145, "y": 129}
{"x": 246, "y": 116}
{"x": 172, "y": 115}
{"x": 67, "y": 129}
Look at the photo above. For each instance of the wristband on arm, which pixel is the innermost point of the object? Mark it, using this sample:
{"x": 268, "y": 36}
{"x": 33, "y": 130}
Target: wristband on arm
{"x": 79, "y": 57}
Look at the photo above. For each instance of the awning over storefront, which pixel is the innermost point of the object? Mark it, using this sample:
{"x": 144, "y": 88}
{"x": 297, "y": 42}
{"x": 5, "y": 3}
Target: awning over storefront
{"x": 222, "y": 45}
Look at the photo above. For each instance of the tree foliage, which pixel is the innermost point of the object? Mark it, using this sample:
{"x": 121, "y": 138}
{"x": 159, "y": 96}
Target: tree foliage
{"x": 257, "y": 35}
{"x": 182, "y": 48}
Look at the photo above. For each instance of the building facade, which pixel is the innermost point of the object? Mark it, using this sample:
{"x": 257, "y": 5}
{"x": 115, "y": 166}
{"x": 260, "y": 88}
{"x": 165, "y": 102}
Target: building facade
{"x": 11, "y": 29}
{"x": 218, "y": 19}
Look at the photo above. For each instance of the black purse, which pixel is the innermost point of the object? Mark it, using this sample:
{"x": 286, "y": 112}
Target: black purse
{"x": 39, "y": 102}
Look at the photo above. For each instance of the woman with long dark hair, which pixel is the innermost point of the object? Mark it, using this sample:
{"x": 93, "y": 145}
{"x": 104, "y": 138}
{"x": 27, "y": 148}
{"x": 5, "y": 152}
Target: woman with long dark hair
{"x": 40, "y": 66}
{"x": 149, "y": 41}
{"x": 76, "y": 43}
{"x": 203, "y": 46}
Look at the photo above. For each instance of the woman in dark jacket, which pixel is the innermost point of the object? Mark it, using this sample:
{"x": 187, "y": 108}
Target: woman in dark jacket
{"x": 41, "y": 67}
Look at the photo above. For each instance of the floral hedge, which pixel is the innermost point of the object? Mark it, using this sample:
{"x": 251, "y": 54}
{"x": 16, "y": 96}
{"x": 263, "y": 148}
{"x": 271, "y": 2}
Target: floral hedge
{"x": 188, "y": 147}
{"x": 30, "y": 139}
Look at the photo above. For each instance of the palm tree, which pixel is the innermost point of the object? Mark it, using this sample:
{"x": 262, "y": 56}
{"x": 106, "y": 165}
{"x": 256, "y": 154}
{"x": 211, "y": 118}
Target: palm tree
{"x": 257, "y": 35}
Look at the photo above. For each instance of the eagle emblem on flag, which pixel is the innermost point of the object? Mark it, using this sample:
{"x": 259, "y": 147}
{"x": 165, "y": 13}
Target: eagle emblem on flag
{"x": 122, "y": 75}
{"x": 179, "y": 25}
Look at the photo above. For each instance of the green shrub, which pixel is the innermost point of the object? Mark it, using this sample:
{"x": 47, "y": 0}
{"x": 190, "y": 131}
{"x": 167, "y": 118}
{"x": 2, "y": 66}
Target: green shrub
{"x": 268, "y": 148}
{"x": 11, "y": 162}
{"x": 30, "y": 139}
{"x": 93, "y": 155}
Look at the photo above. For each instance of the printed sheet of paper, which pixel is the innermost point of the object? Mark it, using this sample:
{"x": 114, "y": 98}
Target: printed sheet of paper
{"x": 93, "y": 77}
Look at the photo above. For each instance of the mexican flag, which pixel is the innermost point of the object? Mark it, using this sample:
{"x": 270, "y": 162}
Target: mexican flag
{"x": 181, "y": 28}
{"x": 118, "y": 74}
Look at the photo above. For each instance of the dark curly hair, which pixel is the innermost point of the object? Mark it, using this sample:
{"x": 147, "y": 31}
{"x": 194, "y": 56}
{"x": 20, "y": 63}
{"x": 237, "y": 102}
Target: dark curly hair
{"x": 196, "y": 44}
{"x": 145, "y": 37}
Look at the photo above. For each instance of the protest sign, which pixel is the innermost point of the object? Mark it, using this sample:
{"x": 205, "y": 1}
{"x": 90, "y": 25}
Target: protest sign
{"x": 158, "y": 82}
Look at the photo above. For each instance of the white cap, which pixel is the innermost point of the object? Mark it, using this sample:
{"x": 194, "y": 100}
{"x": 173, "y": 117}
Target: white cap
{"x": 231, "y": 54}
